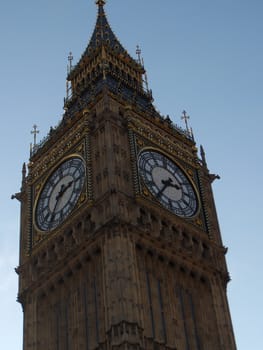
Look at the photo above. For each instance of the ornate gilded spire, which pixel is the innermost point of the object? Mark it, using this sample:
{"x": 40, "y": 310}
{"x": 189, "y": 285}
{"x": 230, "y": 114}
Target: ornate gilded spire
{"x": 105, "y": 62}
{"x": 103, "y": 34}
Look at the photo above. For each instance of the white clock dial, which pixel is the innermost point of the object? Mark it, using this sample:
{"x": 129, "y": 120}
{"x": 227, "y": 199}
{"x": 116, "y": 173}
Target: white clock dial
{"x": 60, "y": 194}
{"x": 168, "y": 183}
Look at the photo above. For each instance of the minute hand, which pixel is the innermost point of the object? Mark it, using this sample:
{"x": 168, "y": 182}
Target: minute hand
{"x": 162, "y": 190}
{"x": 63, "y": 189}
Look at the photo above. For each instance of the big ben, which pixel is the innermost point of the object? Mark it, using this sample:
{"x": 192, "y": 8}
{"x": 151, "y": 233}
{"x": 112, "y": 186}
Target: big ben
{"x": 120, "y": 246}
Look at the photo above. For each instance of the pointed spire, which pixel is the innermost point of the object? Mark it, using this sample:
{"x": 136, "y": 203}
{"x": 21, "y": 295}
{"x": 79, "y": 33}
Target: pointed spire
{"x": 23, "y": 172}
{"x": 105, "y": 62}
{"x": 103, "y": 34}
{"x": 203, "y": 157}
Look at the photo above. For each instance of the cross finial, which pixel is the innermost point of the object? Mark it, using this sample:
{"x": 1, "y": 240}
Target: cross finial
{"x": 100, "y": 2}
{"x": 138, "y": 53}
{"x": 185, "y": 117}
{"x": 70, "y": 59}
{"x": 35, "y": 132}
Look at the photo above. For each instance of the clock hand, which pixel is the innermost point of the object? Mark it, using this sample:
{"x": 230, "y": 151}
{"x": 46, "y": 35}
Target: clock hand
{"x": 58, "y": 198}
{"x": 60, "y": 194}
{"x": 166, "y": 184}
{"x": 169, "y": 183}
{"x": 67, "y": 187}
{"x": 63, "y": 189}
{"x": 175, "y": 186}
{"x": 161, "y": 191}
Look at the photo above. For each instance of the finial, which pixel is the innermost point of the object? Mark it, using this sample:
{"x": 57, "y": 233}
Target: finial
{"x": 100, "y": 2}
{"x": 24, "y": 172}
{"x": 23, "y": 176}
{"x": 70, "y": 59}
{"x": 35, "y": 132}
{"x": 203, "y": 158}
{"x": 189, "y": 131}
{"x": 186, "y": 117}
{"x": 141, "y": 62}
{"x": 138, "y": 53}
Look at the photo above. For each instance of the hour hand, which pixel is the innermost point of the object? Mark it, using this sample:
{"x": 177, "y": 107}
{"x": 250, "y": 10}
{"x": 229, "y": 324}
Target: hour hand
{"x": 175, "y": 186}
{"x": 169, "y": 183}
{"x": 63, "y": 189}
{"x": 166, "y": 183}
{"x": 55, "y": 206}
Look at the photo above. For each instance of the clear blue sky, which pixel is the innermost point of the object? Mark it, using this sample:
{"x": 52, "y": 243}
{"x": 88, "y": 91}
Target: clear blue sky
{"x": 202, "y": 56}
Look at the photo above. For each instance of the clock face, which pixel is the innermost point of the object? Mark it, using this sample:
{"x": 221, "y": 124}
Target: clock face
{"x": 168, "y": 183}
{"x": 60, "y": 194}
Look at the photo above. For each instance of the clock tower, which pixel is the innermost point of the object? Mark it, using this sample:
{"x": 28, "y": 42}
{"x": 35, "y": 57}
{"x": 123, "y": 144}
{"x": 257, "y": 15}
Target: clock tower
{"x": 120, "y": 246}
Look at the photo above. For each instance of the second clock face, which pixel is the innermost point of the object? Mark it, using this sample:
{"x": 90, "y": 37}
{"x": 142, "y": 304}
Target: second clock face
{"x": 168, "y": 183}
{"x": 60, "y": 194}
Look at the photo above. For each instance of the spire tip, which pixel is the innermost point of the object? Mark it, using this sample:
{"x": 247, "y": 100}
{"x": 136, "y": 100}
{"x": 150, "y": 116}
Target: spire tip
{"x": 100, "y": 2}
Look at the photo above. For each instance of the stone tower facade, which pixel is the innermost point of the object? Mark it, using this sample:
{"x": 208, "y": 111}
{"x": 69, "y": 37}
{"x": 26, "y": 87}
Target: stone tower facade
{"x": 120, "y": 245}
